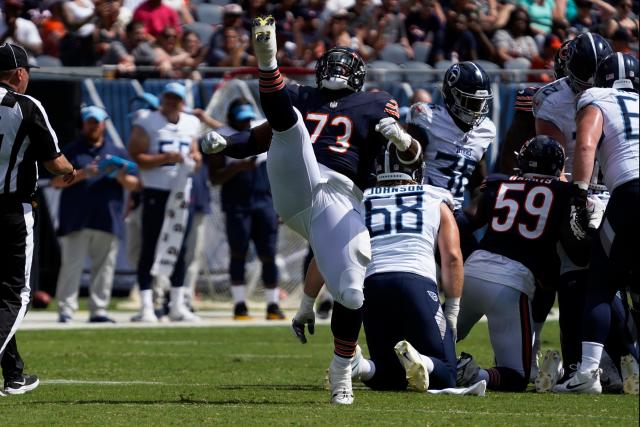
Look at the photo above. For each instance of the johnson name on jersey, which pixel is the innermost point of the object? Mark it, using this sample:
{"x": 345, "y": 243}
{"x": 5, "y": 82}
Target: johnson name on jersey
{"x": 450, "y": 155}
{"x": 523, "y": 217}
{"x": 403, "y": 223}
{"x": 342, "y": 127}
{"x": 166, "y": 137}
{"x": 618, "y": 151}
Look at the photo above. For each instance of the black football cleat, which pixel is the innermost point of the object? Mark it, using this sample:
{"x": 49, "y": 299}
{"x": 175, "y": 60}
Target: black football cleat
{"x": 21, "y": 385}
{"x": 274, "y": 312}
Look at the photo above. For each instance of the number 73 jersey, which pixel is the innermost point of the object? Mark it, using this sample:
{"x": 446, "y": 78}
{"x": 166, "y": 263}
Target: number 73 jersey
{"x": 450, "y": 155}
{"x": 524, "y": 217}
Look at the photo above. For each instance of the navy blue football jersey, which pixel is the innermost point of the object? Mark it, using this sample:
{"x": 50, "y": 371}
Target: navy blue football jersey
{"x": 524, "y": 217}
{"x": 342, "y": 127}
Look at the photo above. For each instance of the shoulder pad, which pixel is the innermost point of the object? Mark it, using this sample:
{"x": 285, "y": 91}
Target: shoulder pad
{"x": 441, "y": 194}
{"x": 592, "y": 95}
{"x": 548, "y": 95}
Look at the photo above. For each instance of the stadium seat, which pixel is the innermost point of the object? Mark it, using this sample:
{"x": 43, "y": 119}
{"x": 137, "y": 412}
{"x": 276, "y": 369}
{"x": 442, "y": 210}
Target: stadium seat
{"x": 421, "y": 51}
{"x": 203, "y": 30}
{"x": 219, "y": 2}
{"x": 488, "y": 66}
{"x": 385, "y": 71}
{"x": 394, "y": 52}
{"x": 48, "y": 61}
{"x": 518, "y": 65}
{"x": 418, "y": 72}
{"x": 209, "y": 13}
{"x": 442, "y": 66}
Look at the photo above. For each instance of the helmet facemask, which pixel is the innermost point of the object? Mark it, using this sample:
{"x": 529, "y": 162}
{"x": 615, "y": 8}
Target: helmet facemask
{"x": 340, "y": 69}
{"x": 470, "y": 108}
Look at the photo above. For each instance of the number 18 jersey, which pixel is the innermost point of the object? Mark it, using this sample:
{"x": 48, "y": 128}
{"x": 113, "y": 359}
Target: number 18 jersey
{"x": 403, "y": 223}
{"x": 523, "y": 217}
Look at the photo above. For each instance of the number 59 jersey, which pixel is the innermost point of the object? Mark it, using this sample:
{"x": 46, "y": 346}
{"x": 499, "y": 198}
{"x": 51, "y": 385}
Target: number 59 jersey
{"x": 403, "y": 223}
{"x": 524, "y": 217}
{"x": 450, "y": 155}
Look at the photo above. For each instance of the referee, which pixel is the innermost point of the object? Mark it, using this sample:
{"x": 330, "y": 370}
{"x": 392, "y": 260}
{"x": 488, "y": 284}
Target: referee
{"x": 26, "y": 137}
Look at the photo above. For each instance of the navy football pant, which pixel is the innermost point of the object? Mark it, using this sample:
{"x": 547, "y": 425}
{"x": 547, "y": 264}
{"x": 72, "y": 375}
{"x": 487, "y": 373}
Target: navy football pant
{"x": 613, "y": 262}
{"x": 153, "y": 206}
{"x": 405, "y": 306}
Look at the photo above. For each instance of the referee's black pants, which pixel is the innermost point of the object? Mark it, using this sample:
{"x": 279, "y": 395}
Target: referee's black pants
{"x": 16, "y": 253}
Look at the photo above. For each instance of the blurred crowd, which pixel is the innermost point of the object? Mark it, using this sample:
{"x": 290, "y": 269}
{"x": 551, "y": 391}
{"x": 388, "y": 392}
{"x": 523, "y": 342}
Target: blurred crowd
{"x": 173, "y": 38}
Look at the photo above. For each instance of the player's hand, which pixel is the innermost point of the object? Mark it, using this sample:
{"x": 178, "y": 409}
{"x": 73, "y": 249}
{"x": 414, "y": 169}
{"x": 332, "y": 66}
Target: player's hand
{"x": 173, "y": 157}
{"x": 213, "y": 142}
{"x": 301, "y": 319}
{"x": 451, "y": 309}
{"x": 391, "y": 129}
{"x": 579, "y": 214}
{"x": 70, "y": 177}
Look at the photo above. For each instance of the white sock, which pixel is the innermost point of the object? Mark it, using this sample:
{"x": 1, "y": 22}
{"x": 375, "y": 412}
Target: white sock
{"x": 146, "y": 300}
{"x": 238, "y": 293}
{"x": 367, "y": 370}
{"x": 341, "y": 362}
{"x": 427, "y": 361}
{"x": 591, "y": 355}
{"x": 177, "y": 298}
{"x": 272, "y": 296}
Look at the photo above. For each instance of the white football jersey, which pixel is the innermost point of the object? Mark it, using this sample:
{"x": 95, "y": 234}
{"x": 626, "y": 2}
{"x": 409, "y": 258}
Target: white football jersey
{"x": 403, "y": 223}
{"x": 451, "y": 155}
{"x": 618, "y": 151}
{"x": 165, "y": 137}
{"x": 556, "y": 103}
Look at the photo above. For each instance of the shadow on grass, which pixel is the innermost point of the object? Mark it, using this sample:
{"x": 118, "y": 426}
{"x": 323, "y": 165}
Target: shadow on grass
{"x": 183, "y": 400}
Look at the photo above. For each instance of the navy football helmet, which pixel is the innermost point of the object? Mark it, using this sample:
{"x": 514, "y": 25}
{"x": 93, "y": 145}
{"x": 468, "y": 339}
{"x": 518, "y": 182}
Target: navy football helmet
{"x": 467, "y": 91}
{"x": 541, "y": 155}
{"x": 585, "y": 52}
{"x": 560, "y": 60}
{"x": 341, "y": 68}
{"x": 619, "y": 71}
{"x": 389, "y": 167}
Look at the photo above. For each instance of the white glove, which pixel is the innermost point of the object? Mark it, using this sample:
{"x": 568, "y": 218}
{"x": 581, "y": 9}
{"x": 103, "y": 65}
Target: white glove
{"x": 451, "y": 310}
{"x": 212, "y": 143}
{"x": 391, "y": 129}
{"x": 596, "y": 208}
{"x": 304, "y": 316}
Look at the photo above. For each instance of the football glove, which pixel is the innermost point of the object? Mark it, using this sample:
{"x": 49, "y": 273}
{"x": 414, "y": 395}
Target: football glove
{"x": 451, "y": 310}
{"x": 579, "y": 214}
{"x": 304, "y": 316}
{"x": 298, "y": 323}
{"x": 391, "y": 129}
{"x": 212, "y": 142}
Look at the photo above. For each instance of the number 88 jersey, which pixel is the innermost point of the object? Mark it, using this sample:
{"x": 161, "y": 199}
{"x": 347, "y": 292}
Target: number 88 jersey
{"x": 403, "y": 223}
{"x": 523, "y": 217}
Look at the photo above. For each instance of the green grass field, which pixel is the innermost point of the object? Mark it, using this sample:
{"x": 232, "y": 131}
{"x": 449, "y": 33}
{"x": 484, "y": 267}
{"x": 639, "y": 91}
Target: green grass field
{"x": 254, "y": 376}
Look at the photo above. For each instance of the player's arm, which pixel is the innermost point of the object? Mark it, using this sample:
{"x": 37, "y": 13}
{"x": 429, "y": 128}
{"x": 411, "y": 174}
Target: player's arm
{"x": 240, "y": 145}
{"x": 195, "y": 154}
{"x": 61, "y": 166}
{"x": 545, "y": 127}
{"x": 409, "y": 148}
{"x": 450, "y": 265}
{"x": 478, "y": 176}
{"x": 138, "y": 146}
{"x": 313, "y": 282}
{"x": 220, "y": 172}
{"x": 588, "y": 132}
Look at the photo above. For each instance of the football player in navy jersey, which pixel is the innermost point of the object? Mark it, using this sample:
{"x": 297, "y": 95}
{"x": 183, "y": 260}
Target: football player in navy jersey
{"x": 321, "y": 146}
{"x": 607, "y": 127}
{"x": 455, "y": 137}
{"x": 524, "y": 215}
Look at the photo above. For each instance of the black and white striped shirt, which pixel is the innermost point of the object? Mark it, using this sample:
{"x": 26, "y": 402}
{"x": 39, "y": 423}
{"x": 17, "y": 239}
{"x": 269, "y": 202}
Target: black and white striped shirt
{"x": 26, "y": 137}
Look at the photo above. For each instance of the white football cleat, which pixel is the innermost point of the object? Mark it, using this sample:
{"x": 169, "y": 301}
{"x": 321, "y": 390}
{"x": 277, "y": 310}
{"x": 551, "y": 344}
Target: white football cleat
{"x": 264, "y": 40}
{"x": 581, "y": 382}
{"x": 145, "y": 316}
{"x": 629, "y": 368}
{"x": 414, "y": 368}
{"x": 550, "y": 371}
{"x": 182, "y": 314}
{"x": 340, "y": 383}
{"x": 535, "y": 365}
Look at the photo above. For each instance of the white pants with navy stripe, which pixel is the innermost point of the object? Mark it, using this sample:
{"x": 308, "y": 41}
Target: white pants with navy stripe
{"x": 322, "y": 206}
{"x": 16, "y": 254}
